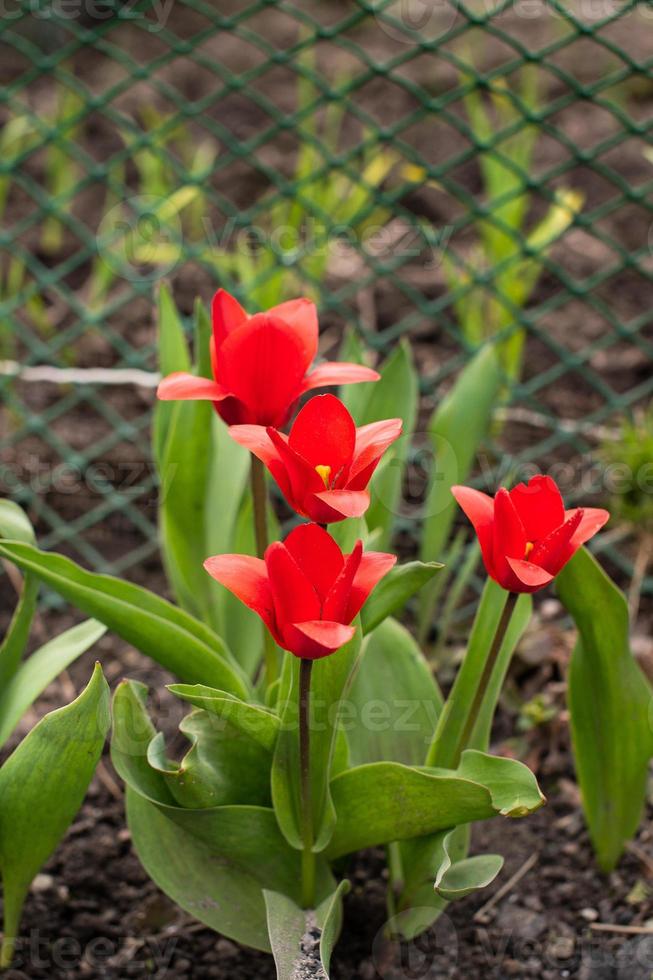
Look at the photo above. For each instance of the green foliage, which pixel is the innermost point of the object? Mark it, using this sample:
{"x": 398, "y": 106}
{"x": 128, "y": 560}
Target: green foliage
{"x": 290, "y": 925}
{"x": 610, "y": 704}
{"x": 162, "y": 631}
{"x": 497, "y": 279}
{"x": 42, "y": 786}
{"x": 456, "y": 430}
{"x": 628, "y": 458}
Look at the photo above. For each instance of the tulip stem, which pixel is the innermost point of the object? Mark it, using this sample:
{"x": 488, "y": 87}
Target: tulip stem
{"x": 485, "y": 678}
{"x": 308, "y": 857}
{"x": 260, "y": 502}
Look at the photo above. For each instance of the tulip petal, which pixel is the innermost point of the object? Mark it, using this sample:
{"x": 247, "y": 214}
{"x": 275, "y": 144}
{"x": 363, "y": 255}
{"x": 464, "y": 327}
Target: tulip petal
{"x": 508, "y": 536}
{"x": 295, "y": 597}
{"x": 325, "y": 435}
{"x": 318, "y": 556}
{"x": 301, "y": 316}
{"x": 315, "y": 639}
{"x": 248, "y": 579}
{"x": 556, "y": 548}
{"x": 371, "y": 443}
{"x": 374, "y": 565}
{"x": 227, "y": 315}
{"x": 301, "y": 479}
{"x": 533, "y": 577}
{"x": 331, "y": 506}
{"x": 479, "y": 508}
{"x": 263, "y": 363}
{"x": 181, "y": 386}
{"x": 539, "y": 505}
{"x": 335, "y": 605}
{"x": 256, "y": 439}
{"x": 338, "y": 373}
{"x": 590, "y": 524}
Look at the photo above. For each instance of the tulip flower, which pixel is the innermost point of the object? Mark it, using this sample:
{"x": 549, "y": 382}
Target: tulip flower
{"x": 526, "y": 535}
{"x": 305, "y": 590}
{"x": 261, "y": 363}
{"x": 324, "y": 466}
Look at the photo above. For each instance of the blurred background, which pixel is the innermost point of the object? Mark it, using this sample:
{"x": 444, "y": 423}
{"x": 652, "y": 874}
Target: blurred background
{"x": 433, "y": 171}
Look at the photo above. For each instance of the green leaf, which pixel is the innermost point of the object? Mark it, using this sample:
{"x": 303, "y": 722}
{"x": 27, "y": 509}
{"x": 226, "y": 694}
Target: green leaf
{"x": 396, "y": 395}
{"x": 384, "y": 801}
{"x": 173, "y": 356}
{"x": 456, "y": 879}
{"x": 418, "y": 904}
{"x": 182, "y": 436}
{"x": 393, "y": 592}
{"x": 329, "y": 684}
{"x": 32, "y": 677}
{"x": 456, "y": 431}
{"x": 258, "y": 723}
{"x": 214, "y": 862}
{"x": 395, "y": 700}
{"x": 223, "y": 766}
{"x": 168, "y": 635}
{"x": 42, "y": 786}
{"x": 302, "y": 940}
{"x": 610, "y": 706}
{"x": 454, "y": 716}
{"x": 16, "y": 526}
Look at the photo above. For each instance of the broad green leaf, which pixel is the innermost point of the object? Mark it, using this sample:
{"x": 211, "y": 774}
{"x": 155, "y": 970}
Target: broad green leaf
{"x": 16, "y": 526}
{"x": 214, "y": 862}
{"x": 182, "y": 450}
{"x": 223, "y": 766}
{"x": 456, "y": 431}
{"x": 394, "y": 396}
{"x": 456, "y": 879}
{"x": 209, "y": 885}
{"x": 302, "y": 940}
{"x": 610, "y": 703}
{"x": 329, "y": 686}
{"x": 168, "y": 635}
{"x": 42, "y": 786}
{"x": 32, "y": 677}
{"x": 173, "y": 356}
{"x": 393, "y": 592}
{"x": 420, "y": 859}
{"x": 243, "y": 629}
{"x": 384, "y": 801}
{"x": 183, "y": 477}
{"x": 454, "y": 716}
{"x": 395, "y": 701}
{"x": 258, "y": 723}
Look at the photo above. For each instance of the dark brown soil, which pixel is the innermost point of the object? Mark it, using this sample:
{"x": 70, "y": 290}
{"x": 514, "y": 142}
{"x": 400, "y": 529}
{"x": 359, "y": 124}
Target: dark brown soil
{"x": 94, "y": 913}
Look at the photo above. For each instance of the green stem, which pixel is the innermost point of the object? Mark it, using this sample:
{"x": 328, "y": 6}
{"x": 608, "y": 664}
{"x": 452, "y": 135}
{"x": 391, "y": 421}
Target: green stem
{"x": 308, "y": 857}
{"x": 484, "y": 681}
{"x": 260, "y": 501}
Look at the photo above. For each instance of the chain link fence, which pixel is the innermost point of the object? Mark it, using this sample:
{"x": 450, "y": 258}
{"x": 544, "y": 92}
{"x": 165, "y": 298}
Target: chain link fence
{"x": 422, "y": 168}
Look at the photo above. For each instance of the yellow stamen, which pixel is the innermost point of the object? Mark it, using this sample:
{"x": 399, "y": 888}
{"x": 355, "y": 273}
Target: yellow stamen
{"x": 325, "y": 473}
{"x": 529, "y": 548}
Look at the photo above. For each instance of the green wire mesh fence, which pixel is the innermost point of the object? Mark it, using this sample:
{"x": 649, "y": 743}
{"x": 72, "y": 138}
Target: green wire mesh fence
{"x": 422, "y": 168}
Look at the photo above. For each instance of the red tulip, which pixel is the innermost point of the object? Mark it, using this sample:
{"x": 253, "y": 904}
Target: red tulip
{"x": 305, "y": 590}
{"x": 526, "y": 535}
{"x": 324, "y": 466}
{"x": 260, "y": 363}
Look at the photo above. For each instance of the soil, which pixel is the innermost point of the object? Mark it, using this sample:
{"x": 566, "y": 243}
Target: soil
{"x": 93, "y": 912}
